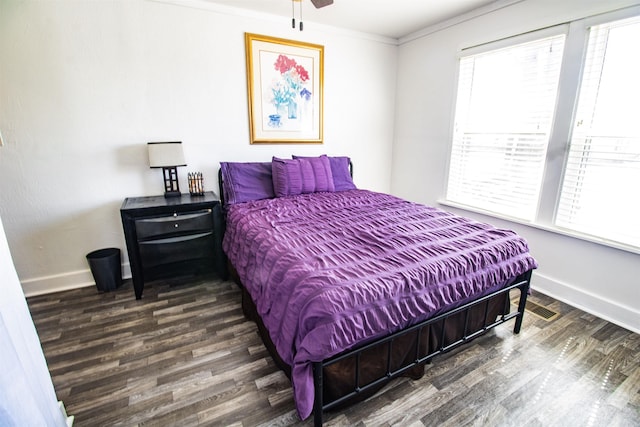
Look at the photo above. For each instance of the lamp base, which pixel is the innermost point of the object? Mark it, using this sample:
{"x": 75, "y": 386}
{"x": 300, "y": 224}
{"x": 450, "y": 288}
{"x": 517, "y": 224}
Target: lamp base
{"x": 171, "y": 187}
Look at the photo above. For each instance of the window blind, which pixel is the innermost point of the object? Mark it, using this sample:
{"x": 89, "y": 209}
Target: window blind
{"x": 504, "y": 111}
{"x": 599, "y": 194}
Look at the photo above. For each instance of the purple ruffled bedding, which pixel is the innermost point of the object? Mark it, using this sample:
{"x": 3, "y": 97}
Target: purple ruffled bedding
{"x": 327, "y": 271}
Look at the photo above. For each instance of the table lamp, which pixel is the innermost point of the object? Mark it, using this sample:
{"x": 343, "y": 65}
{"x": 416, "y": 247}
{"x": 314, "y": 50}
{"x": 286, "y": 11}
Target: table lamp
{"x": 168, "y": 156}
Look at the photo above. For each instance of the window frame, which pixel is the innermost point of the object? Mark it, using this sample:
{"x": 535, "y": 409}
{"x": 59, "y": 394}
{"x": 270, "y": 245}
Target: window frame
{"x": 557, "y": 30}
{"x": 575, "y": 49}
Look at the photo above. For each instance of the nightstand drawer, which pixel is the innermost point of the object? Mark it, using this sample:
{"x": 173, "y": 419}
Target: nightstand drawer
{"x": 177, "y": 249}
{"x": 192, "y": 222}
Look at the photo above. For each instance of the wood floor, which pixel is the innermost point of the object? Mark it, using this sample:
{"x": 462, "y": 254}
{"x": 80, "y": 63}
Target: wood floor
{"x": 184, "y": 355}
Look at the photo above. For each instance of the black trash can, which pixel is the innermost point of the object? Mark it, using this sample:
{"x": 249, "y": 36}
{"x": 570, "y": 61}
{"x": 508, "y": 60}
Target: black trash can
{"x": 106, "y": 268}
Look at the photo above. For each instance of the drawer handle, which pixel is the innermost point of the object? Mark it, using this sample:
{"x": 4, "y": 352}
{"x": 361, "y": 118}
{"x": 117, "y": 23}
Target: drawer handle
{"x": 178, "y": 239}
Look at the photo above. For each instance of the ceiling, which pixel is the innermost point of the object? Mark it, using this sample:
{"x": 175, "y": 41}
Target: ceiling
{"x": 388, "y": 18}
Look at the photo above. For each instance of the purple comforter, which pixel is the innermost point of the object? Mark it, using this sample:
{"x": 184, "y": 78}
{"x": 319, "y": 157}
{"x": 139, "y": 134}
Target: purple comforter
{"x": 329, "y": 270}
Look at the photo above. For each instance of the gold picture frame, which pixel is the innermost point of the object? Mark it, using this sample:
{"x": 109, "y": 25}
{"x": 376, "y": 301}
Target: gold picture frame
{"x": 285, "y": 89}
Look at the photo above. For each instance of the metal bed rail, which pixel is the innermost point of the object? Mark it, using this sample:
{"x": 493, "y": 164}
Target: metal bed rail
{"x": 522, "y": 283}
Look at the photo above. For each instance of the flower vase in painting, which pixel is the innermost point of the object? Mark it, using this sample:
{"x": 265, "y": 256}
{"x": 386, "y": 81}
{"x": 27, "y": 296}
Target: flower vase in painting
{"x": 293, "y": 109}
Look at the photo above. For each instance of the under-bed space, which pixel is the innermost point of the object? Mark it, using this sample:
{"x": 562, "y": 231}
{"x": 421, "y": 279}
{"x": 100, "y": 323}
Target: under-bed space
{"x": 351, "y": 287}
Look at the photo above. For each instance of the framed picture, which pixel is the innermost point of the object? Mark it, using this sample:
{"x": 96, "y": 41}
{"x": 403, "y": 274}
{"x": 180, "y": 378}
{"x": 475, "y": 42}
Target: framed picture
{"x": 285, "y": 84}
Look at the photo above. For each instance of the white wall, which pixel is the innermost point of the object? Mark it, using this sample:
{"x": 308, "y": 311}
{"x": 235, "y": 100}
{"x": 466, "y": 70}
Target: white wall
{"x": 84, "y": 85}
{"x": 599, "y": 279}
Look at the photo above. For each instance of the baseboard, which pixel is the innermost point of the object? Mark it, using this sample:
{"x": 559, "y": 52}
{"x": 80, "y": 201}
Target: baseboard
{"x": 68, "y": 419}
{"x": 63, "y": 282}
{"x": 611, "y": 311}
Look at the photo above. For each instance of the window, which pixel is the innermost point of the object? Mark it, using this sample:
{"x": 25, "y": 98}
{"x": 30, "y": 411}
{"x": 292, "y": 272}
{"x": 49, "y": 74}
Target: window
{"x": 504, "y": 111}
{"x": 547, "y": 132}
{"x": 600, "y": 194}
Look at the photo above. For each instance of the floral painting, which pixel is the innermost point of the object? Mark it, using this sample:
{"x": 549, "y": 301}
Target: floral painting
{"x": 285, "y": 90}
{"x": 289, "y": 90}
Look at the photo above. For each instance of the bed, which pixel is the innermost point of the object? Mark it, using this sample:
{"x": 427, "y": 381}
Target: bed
{"x": 351, "y": 288}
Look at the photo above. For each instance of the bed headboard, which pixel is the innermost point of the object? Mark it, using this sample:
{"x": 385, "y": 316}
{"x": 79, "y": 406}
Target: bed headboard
{"x": 221, "y": 190}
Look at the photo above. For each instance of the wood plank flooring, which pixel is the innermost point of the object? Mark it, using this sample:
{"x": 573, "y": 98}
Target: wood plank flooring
{"x": 184, "y": 355}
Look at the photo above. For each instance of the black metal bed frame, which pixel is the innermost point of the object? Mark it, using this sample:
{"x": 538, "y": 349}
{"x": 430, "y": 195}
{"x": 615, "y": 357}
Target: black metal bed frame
{"x": 521, "y": 283}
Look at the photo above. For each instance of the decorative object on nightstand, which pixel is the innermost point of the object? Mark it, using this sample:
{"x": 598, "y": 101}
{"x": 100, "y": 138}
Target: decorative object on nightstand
{"x": 176, "y": 236}
{"x": 168, "y": 156}
{"x": 196, "y": 185}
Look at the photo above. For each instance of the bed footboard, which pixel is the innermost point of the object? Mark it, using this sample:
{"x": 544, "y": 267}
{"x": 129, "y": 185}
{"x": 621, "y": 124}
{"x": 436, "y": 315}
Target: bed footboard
{"x": 429, "y": 338}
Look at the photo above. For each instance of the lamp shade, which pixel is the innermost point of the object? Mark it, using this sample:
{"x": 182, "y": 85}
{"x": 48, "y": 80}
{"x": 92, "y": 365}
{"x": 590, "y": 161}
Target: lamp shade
{"x": 165, "y": 154}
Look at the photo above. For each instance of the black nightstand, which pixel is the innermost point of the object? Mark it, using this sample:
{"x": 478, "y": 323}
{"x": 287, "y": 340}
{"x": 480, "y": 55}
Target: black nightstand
{"x": 172, "y": 236}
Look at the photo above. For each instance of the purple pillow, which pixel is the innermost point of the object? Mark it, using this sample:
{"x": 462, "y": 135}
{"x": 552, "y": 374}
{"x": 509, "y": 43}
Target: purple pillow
{"x": 299, "y": 176}
{"x": 244, "y": 182}
{"x": 342, "y": 179}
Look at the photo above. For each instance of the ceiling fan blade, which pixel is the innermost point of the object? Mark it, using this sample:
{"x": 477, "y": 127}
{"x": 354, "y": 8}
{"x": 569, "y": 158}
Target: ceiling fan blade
{"x": 321, "y": 3}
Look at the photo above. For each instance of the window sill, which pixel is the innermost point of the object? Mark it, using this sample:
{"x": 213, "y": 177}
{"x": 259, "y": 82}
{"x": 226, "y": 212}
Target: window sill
{"x": 545, "y": 227}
